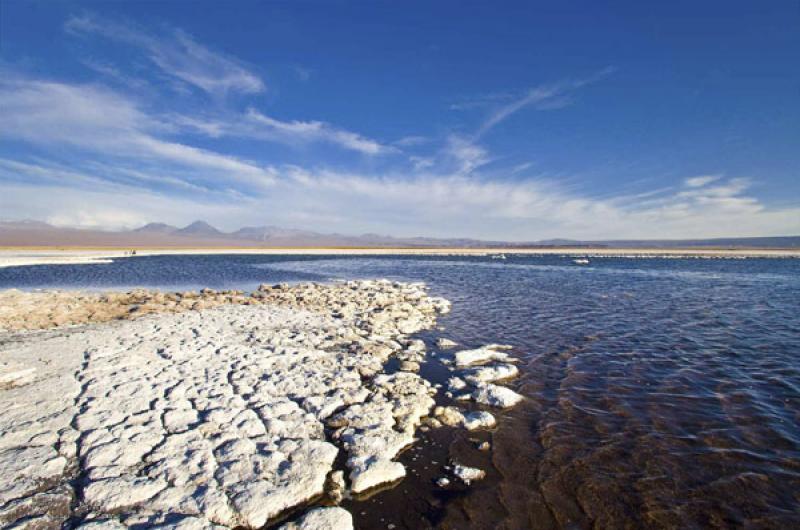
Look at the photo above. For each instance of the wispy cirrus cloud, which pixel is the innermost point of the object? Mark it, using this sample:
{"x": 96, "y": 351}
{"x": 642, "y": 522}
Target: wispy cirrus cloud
{"x": 98, "y": 120}
{"x": 176, "y": 53}
{"x": 466, "y": 154}
{"x": 426, "y": 203}
{"x": 544, "y": 97}
{"x": 309, "y": 131}
{"x": 482, "y": 101}
{"x": 702, "y": 180}
{"x": 535, "y": 208}
{"x": 109, "y": 71}
{"x": 466, "y": 148}
{"x": 412, "y": 141}
{"x": 257, "y": 125}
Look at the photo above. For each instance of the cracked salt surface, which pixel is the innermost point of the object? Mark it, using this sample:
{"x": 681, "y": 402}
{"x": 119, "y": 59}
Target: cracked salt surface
{"x": 225, "y": 417}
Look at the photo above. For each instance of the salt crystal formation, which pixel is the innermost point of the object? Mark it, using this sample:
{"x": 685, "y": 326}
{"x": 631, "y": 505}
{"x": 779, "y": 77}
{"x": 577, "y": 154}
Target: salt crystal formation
{"x": 479, "y": 369}
{"x": 214, "y": 418}
{"x": 468, "y": 474}
{"x": 445, "y": 343}
{"x": 478, "y": 377}
{"x": 481, "y": 355}
{"x": 323, "y": 519}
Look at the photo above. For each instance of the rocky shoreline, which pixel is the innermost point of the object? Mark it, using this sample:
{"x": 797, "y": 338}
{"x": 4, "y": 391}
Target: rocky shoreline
{"x": 222, "y": 409}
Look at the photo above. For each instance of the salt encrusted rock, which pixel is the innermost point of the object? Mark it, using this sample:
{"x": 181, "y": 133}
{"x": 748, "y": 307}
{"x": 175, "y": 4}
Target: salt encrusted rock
{"x": 479, "y": 420}
{"x": 454, "y": 384}
{"x": 415, "y": 346}
{"x": 409, "y": 366}
{"x": 495, "y": 396}
{"x": 468, "y": 474}
{"x": 332, "y": 518}
{"x": 443, "y": 482}
{"x": 440, "y": 305}
{"x": 370, "y": 472}
{"x": 40, "y": 510}
{"x": 444, "y": 343}
{"x": 481, "y": 355}
{"x": 24, "y": 468}
{"x": 402, "y": 307}
{"x": 453, "y": 417}
{"x": 337, "y": 486}
{"x": 14, "y": 374}
{"x": 490, "y": 374}
{"x": 450, "y": 416}
{"x": 195, "y": 420}
{"x": 111, "y": 494}
{"x": 186, "y": 523}
{"x": 495, "y": 346}
{"x": 179, "y": 420}
{"x": 482, "y": 377}
{"x": 433, "y": 423}
{"x": 375, "y": 431}
{"x": 484, "y": 446}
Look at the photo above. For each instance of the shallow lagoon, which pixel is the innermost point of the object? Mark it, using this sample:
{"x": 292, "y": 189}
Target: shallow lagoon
{"x": 663, "y": 392}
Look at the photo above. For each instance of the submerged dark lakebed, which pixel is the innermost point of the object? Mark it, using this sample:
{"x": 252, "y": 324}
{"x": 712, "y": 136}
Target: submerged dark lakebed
{"x": 662, "y": 393}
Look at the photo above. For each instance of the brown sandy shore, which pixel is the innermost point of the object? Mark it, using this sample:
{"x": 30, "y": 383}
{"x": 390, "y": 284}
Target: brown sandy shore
{"x": 220, "y": 409}
{"x": 19, "y": 256}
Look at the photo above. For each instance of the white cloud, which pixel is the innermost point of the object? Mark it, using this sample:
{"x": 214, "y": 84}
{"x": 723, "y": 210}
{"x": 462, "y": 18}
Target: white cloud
{"x": 254, "y": 124}
{"x": 176, "y": 54}
{"x": 187, "y": 155}
{"x": 49, "y": 111}
{"x": 467, "y": 155}
{"x": 125, "y": 170}
{"x": 111, "y": 72}
{"x": 182, "y": 57}
{"x": 67, "y": 206}
{"x": 412, "y": 141}
{"x": 421, "y": 162}
{"x": 534, "y": 96}
{"x": 428, "y": 204}
{"x": 207, "y": 127}
{"x": 520, "y": 168}
{"x": 311, "y": 131}
{"x": 698, "y": 182}
{"x": 96, "y": 119}
{"x": 50, "y": 174}
{"x": 460, "y": 205}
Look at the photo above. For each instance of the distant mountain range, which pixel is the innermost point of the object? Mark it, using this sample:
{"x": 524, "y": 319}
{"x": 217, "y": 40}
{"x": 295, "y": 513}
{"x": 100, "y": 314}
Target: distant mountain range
{"x": 202, "y": 234}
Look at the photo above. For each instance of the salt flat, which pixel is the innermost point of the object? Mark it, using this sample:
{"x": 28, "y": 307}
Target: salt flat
{"x": 230, "y": 416}
{"x": 16, "y": 257}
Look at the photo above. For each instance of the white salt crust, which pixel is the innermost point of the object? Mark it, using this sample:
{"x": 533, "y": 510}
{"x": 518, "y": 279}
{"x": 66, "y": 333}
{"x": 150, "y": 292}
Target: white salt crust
{"x": 213, "y": 418}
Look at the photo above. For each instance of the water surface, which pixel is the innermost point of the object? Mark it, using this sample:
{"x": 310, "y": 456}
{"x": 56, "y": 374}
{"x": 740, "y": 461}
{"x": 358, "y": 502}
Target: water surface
{"x": 662, "y": 393}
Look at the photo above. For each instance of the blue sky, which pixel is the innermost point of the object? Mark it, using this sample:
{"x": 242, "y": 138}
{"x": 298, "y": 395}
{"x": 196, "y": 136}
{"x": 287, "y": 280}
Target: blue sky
{"x": 504, "y": 121}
